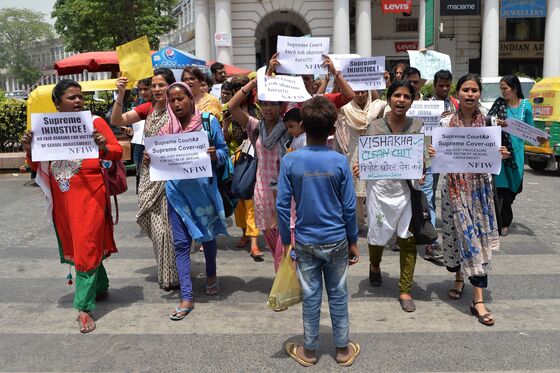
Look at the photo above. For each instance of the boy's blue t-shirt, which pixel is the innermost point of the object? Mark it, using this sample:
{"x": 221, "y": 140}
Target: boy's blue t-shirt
{"x": 321, "y": 183}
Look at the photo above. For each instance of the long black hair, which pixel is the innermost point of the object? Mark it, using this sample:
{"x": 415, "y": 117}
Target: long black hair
{"x": 61, "y": 87}
{"x": 400, "y": 83}
{"x": 166, "y": 74}
{"x": 470, "y": 77}
{"x": 513, "y": 82}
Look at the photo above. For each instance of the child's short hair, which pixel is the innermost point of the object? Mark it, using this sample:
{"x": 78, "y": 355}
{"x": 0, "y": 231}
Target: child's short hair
{"x": 319, "y": 116}
{"x": 293, "y": 114}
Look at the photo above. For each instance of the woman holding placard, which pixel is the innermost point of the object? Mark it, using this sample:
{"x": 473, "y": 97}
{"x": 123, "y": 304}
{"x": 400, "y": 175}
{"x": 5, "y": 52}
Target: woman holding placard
{"x": 152, "y": 202}
{"x": 195, "y": 208}
{"x": 78, "y": 204}
{"x": 470, "y": 232}
{"x": 388, "y": 201}
{"x": 510, "y": 180}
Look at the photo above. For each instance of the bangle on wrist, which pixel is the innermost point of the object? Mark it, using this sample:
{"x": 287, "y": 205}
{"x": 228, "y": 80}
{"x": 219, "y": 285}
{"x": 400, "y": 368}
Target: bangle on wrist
{"x": 337, "y": 74}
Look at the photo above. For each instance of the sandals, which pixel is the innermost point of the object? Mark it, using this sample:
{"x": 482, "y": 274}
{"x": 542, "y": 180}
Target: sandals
{"x": 256, "y": 254}
{"x": 454, "y": 293}
{"x": 185, "y": 311}
{"x": 83, "y": 318}
{"x": 486, "y": 319}
{"x": 213, "y": 289}
{"x": 407, "y": 305}
{"x": 352, "y": 357}
{"x": 243, "y": 241}
{"x": 291, "y": 350}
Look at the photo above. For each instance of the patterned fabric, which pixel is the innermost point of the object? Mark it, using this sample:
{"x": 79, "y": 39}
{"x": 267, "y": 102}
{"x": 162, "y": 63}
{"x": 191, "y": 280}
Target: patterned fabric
{"x": 210, "y": 104}
{"x": 152, "y": 211}
{"x": 470, "y": 231}
{"x": 499, "y": 109}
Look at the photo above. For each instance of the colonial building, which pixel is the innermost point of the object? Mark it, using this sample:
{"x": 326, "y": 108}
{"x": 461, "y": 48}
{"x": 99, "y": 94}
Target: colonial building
{"x": 479, "y": 35}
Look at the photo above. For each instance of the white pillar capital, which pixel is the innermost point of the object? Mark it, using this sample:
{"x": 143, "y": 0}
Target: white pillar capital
{"x": 551, "y": 63}
{"x": 341, "y": 26}
{"x": 490, "y": 55}
{"x": 223, "y": 25}
{"x": 202, "y": 30}
{"x": 363, "y": 27}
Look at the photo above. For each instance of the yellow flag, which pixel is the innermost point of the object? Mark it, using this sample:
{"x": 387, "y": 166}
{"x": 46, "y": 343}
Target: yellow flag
{"x": 135, "y": 60}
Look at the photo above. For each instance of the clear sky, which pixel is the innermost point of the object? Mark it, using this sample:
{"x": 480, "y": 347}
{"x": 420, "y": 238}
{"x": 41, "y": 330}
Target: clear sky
{"x": 43, "y": 6}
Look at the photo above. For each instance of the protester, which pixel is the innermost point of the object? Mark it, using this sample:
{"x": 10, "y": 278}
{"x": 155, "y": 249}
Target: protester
{"x": 414, "y": 76}
{"x": 194, "y": 206}
{"x": 206, "y": 84}
{"x": 353, "y": 122}
{"x": 320, "y": 181}
{"x": 510, "y": 180}
{"x": 204, "y": 101}
{"x": 226, "y": 92}
{"x": 78, "y": 203}
{"x": 470, "y": 232}
{"x": 152, "y": 213}
{"x": 388, "y": 200}
{"x": 269, "y": 137}
{"x": 218, "y": 72}
{"x": 399, "y": 69}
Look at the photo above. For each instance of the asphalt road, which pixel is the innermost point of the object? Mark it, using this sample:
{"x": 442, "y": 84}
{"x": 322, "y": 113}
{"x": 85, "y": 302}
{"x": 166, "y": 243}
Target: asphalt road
{"x": 235, "y": 332}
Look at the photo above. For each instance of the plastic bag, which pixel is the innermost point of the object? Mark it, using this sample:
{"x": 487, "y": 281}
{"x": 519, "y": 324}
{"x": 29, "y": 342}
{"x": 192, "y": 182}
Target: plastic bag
{"x": 286, "y": 290}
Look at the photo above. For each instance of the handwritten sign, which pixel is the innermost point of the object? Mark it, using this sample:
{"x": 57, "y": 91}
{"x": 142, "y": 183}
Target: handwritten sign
{"x": 363, "y": 74}
{"x": 179, "y": 156}
{"x": 524, "y": 131}
{"x": 62, "y": 136}
{"x": 429, "y": 62}
{"x": 217, "y": 91}
{"x": 135, "y": 61}
{"x": 391, "y": 156}
{"x": 468, "y": 150}
{"x": 281, "y": 88}
{"x": 301, "y": 55}
{"x": 429, "y": 112}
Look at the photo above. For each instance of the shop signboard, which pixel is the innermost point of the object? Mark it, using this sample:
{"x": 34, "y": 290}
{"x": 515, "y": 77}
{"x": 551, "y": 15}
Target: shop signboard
{"x": 460, "y": 7}
{"x": 521, "y": 49}
{"x": 396, "y": 6}
{"x": 523, "y": 9}
{"x": 429, "y": 24}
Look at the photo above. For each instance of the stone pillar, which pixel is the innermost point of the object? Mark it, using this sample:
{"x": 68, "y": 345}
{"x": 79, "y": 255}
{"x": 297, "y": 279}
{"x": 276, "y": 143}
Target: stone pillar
{"x": 490, "y": 56}
{"x": 202, "y": 27}
{"x": 341, "y": 27}
{"x": 363, "y": 27}
{"x": 551, "y": 65}
{"x": 422, "y": 25}
{"x": 223, "y": 25}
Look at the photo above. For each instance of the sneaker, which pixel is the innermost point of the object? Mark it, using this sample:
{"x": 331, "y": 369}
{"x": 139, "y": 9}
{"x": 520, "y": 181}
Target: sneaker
{"x": 433, "y": 252}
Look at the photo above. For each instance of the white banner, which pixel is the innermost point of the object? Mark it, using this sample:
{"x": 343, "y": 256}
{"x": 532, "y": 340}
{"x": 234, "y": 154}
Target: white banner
{"x": 524, "y": 131}
{"x": 470, "y": 150}
{"x": 179, "y": 156}
{"x": 301, "y": 55}
{"x": 217, "y": 91}
{"x": 62, "y": 136}
{"x": 429, "y": 62}
{"x": 337, "y": 58}
{"x": 364, "y": 74}
{"x": 138, "y": 128}
{"x": 280, "y": 87}
{"x": 391, "y": 156}
{"x": 429, "y": 112}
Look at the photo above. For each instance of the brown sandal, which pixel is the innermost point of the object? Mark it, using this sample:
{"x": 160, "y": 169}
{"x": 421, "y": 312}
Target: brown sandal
{"x": 486, "y": 319}
{"x": 454, "y": 293}
{"x": 83, "y": 318}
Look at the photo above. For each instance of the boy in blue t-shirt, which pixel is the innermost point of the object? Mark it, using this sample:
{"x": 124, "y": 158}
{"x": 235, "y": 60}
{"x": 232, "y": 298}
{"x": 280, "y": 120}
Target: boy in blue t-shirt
{"x": 320, "y": 181}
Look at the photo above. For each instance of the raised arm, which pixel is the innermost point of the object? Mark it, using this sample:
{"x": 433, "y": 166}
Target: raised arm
{"x": 324, "y": 83}
{"x": 341, "y": 83}
{"x": 234, "y": 105}
{"x": 117, "y": 116}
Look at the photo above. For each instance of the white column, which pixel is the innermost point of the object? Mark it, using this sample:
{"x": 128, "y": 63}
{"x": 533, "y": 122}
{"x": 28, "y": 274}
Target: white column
{"x": 422, "y": 25}
{"x": 202, "y": 30}
{"x": 490, "y": 56}
{"x": 223, "y": 25}
{"x": 551, "y": 65}
{"x": 341, "y": 26}
{"x": 363, "y": 27}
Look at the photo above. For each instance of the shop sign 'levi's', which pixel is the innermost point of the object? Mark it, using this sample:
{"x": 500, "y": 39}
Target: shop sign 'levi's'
{"x": 396, "y": 6}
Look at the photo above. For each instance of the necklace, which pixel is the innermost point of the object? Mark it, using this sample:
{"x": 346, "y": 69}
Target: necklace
{"x": 519, "y": 109}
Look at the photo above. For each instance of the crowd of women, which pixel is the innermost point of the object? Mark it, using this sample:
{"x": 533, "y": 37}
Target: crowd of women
{"x": 176, "y": 213}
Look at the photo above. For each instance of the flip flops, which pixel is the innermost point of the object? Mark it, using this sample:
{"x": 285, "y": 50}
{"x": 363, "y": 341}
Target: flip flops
{"x": 183, "y": 311}
{"x": 352, "y": 357}
{"x": 83, "y": 318}
{"x": 291, "y": 350}
{"x": 213, "y": 289}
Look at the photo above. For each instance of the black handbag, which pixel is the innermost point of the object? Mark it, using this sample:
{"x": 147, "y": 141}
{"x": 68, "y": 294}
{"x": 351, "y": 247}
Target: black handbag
{"x": 420, "y": 224}
{"x": 244, "y": 176}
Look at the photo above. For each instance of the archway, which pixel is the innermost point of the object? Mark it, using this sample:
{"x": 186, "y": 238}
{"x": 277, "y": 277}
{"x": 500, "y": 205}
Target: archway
{"x": 278, "y": 22}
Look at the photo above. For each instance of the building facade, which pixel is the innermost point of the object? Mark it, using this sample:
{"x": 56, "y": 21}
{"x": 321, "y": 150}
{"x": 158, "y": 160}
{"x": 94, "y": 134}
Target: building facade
{"x": 244, "y": 32}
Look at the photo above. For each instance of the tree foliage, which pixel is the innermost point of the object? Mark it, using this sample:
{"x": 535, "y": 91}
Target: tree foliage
{"x": 19, "y": 30}
{"x": 97, "y": 25}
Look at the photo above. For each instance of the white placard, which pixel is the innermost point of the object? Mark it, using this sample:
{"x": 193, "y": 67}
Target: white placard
{"x": 138, "y": 128}
{"x": 427, "y": 111}
{"x": 216, "y": 91}
{"x": 62, "y": 136}
{"x": 336, "y": 58}
{"x": 280, "y": 87}
{"x": 364, "y": 74}
{"x": 222, "y": 39}
{"x": 429, "y": 62}
{"x": 391, "y": 156}
{"x": 301, "y": 55}
{"x": 179, "y": 156}
{"x": 467, "y": 150}
{"x": 524, "y": 131}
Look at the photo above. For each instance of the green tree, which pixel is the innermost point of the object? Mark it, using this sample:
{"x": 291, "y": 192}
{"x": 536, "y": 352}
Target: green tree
{"x": 19, "y": 30}
{"x": 96, "y": 25}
